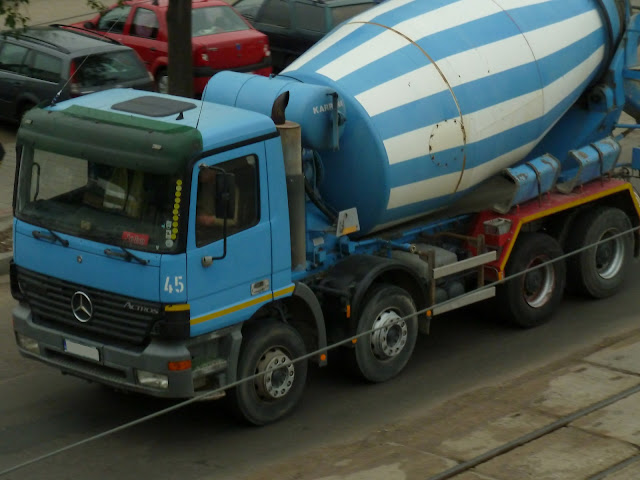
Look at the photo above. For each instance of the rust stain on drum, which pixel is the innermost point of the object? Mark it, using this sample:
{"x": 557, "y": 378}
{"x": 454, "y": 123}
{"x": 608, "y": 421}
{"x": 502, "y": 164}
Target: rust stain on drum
{"x": 444, "y": 78}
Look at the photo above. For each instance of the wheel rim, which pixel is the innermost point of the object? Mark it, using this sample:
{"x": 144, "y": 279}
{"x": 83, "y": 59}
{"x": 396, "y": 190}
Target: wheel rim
{"x": 163, "y": 84}
{"x": 609, "y": 255}
{"x": 539, "y": 284}
{"x": 389, "y": 336}
{"x": 275, "y": 378}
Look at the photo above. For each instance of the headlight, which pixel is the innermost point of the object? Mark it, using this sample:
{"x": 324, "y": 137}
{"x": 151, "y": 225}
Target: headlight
{"x": 27, "y": 343}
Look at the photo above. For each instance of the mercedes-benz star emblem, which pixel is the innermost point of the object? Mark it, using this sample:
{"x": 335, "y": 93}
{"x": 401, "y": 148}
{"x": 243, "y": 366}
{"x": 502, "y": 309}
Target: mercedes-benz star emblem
{"x": 81, "y": 307}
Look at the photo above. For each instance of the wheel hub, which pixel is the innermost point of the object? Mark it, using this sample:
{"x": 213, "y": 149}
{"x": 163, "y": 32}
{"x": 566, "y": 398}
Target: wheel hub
{"x": 389, "y": 336}
{"x": 538, "y": 284}
{"x": 609, "y": 255}
{"x": 274, "y": 379}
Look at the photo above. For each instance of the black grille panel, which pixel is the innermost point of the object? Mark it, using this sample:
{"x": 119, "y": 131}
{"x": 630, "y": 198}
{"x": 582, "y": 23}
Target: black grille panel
{"x": 50, "y": 302}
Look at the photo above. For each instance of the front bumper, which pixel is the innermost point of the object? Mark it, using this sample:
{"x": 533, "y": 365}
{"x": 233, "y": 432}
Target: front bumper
{"x": 213, "y": 356}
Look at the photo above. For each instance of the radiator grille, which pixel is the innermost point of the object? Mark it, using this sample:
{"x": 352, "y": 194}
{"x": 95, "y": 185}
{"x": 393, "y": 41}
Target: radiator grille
{"x": 50, "y": 301}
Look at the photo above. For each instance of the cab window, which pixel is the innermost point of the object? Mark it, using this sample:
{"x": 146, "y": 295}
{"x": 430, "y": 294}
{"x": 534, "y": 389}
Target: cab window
{"x": 238, "y": 178}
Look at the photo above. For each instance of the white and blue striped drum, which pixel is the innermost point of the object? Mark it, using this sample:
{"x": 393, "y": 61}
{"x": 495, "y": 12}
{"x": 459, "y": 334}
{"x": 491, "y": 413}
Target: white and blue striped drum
{"x": 442, "y": 94}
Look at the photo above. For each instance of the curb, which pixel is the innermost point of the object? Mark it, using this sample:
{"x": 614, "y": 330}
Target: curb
{"x": 5, "y": 260}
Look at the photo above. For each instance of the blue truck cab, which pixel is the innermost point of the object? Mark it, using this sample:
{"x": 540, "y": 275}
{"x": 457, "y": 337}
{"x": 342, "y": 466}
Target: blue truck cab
{"x": 133, "y": 275}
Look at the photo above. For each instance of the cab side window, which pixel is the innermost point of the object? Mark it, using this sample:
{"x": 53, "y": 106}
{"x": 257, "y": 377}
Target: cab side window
{"x": 145, "y": 24}
{"x": 239, "y": 179}
{"x": 113, "y": 21}
{"x": 12, "y": 58}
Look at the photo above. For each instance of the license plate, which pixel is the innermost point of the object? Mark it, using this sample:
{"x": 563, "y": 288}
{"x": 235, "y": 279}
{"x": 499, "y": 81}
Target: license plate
{"x": 82, "y": 350}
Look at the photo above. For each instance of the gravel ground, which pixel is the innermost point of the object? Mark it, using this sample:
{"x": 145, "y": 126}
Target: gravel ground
{"x": 6, "y": 243}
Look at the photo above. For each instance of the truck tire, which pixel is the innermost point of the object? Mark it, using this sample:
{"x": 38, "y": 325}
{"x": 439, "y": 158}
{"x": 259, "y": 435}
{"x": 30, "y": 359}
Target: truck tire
{"x": 599, "y": 272}
{"x": 530, "y": 299}
{"x": 383, "y": 354}
{"x": 273, "y": 394}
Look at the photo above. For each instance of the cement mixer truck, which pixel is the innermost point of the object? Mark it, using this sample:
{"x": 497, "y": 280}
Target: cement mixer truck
{"x": 424, "y": 156}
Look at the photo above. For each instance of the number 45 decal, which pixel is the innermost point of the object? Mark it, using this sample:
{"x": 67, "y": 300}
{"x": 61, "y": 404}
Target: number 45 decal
{"x": 177, "y": 286}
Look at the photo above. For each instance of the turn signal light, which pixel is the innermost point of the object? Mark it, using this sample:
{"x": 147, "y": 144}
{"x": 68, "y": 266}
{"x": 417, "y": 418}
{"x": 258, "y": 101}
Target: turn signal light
{"x": 179, "y": 365}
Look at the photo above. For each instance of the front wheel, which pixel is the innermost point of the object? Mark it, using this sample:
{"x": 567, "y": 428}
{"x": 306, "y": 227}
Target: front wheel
{"x": 389, "y": 312}
{"x": 599, "y": 271}
{"x": 268, "y": 351}
{"x": 530, "y": 299}
{"x": 162, "y": 81}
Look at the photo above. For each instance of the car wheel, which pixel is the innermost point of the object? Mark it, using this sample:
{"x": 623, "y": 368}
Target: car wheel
{"x": 162, "y": 81}
{"x": 22, "y": 109}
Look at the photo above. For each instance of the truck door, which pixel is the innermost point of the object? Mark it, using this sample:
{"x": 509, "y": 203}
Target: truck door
{"x": 227, "y": 287}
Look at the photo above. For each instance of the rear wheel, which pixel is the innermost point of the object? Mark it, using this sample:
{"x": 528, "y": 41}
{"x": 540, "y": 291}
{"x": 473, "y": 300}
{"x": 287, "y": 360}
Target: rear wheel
{"x": 599, "y": 271}
{"x": 383, "y": 354}
{"x": 23, "y": 109}
{"x": 162, "y": 81}
{"x": 530, "y": 299}
{"x": 268, "y": 351}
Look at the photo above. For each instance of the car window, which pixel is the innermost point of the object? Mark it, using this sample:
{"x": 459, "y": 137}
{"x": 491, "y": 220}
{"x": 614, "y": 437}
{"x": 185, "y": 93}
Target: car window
{"x": 12, "y": 57}
{"x": 113, "y": 21}
{"x": 210, "y": 20}
{"x": 340, "y": 14}
{"x": 108, "y": 68}
{"x": 275, "y": 12}
{"x": 145, "y": 24}
{"x": 310, "y": 17}
{"x": 44, "y": 67}
{"x": 248, "y": 8}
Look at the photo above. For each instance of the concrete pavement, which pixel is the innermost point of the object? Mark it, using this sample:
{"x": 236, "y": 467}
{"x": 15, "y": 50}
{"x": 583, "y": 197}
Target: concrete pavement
{"x": 577, "y": 420}
{"x": 7, "y": 174}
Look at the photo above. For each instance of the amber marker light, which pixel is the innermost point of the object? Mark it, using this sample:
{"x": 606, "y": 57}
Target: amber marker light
{"x": 179, "y": 365}
{"x": 323, "y": 357}
{"x": 354, "y": 340}
{"x": 348, "y": 311}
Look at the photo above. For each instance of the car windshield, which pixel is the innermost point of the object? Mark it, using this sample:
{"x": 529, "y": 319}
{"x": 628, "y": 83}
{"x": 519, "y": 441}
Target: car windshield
{"x": 108, "y": 68}
{"x": 210, "y": 20}
{"x": 109, "y": 204}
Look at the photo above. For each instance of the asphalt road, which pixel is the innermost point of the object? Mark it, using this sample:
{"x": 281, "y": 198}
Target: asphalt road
{"x": 42, "y": 411}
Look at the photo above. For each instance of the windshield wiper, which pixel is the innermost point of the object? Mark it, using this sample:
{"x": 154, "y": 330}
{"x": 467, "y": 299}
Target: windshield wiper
{"x": 54, "y": 237}
{"x": 126, "y": 255}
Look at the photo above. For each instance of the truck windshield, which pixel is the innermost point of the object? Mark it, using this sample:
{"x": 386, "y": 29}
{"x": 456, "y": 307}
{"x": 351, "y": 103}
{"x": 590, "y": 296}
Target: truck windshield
{"x": 109, "y": 204}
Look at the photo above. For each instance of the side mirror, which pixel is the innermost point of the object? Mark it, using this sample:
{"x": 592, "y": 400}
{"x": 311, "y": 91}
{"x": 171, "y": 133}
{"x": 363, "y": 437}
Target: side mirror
{"x": 89, "y": 25}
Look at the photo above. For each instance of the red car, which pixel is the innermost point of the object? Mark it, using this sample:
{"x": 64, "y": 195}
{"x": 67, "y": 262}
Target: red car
{"x": 221, "y": 38}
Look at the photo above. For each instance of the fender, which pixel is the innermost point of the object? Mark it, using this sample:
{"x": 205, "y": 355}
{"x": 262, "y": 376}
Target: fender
{"x": 305, "y": 294}
{"x": 357, "y": 273}
{"x": 160, "y": 62}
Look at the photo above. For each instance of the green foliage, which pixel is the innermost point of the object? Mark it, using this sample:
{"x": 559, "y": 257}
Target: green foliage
{"x": 10, "y": 9}
{"x": 14, "y": 18}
